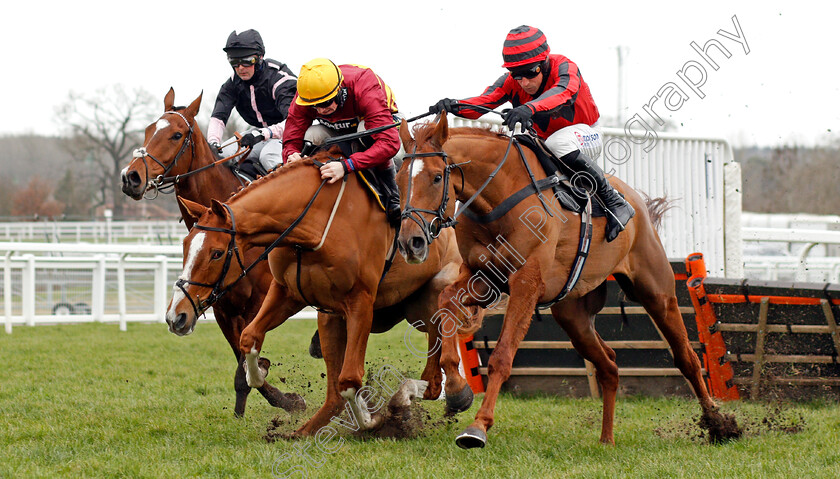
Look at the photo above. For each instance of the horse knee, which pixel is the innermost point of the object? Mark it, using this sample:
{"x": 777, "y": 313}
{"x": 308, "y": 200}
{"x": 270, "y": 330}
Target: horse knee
{"x": 249, "y": 342}
{"x": 607, "y": 376}
{"x": 500, "y": 365}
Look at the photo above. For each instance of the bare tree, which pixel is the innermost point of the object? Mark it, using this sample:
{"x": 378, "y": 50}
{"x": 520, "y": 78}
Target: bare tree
{"x": 103, "y": 130}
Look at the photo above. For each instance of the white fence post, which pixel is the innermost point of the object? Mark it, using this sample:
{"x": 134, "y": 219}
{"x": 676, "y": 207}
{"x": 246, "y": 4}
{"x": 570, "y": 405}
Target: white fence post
{"x": 28, "y": 290}
{"x": 161, "y": 275}
{"x": 98, "y": 289}
{"x": 7, "y": 290}
{"x": 733, "y": 242}
{"x": 121, "y": 291}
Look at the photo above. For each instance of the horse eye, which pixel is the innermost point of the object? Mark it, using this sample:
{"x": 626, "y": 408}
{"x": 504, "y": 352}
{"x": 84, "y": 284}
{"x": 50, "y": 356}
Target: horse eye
{"x": 438, "y": 178}
{"x": 177, "y": 136}
{"x": 217, "y": 254}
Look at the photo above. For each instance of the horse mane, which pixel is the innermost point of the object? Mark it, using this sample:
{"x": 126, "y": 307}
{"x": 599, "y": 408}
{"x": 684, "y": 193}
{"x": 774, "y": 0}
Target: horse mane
{"x": 424, "y": 131}
{"x": 271, "y": 174}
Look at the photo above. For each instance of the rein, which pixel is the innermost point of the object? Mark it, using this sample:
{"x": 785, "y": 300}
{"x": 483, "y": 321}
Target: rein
{"x": 431, "y": 229}
{"x": 165, "y": 184}
{"x": 232, "y": 249}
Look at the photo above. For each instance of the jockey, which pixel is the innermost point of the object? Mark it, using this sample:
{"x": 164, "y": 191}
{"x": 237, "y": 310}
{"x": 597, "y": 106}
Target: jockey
{"x": 261, "y": 90}
{"x": 347, "y": 99}
{"x": 548, "y": 92}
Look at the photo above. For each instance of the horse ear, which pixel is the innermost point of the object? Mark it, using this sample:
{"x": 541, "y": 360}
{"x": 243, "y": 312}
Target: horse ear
{"x": 169, "y": 99}
{"x": 217, "y": 208}
{"x": 441, "y": 130}
{"x": 195, "y": 105}
{"x": 192, "y": 208}
{"x": 405, "y": 136}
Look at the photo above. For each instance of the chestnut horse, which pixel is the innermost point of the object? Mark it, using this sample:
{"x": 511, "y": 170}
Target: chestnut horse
{"x": 327, "y": 247}
{"x": 175, "y": 147}
{"x": 531, "y": 261}
{"x": 406, "y": 293}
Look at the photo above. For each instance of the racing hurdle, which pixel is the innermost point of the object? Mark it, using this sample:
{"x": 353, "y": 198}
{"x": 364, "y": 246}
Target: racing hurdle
{"x": 755, "y": 339}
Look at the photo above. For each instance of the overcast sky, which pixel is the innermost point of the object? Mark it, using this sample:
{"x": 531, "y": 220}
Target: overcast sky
{"x": 785, "y": 90}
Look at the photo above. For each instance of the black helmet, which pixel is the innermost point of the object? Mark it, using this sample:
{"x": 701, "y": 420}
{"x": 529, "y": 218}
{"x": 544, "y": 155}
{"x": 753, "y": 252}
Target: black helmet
{"x": 244, "y": 44}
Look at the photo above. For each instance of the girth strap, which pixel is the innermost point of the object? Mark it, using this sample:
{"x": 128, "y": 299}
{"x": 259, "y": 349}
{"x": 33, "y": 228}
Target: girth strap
{"x": 513, "y": 200}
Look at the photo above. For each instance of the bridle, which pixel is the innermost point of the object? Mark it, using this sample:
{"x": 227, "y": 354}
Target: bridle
{"x": 162, "y": 181}
{"x": 431, "y": 229}
{"x": 217, "y": 288}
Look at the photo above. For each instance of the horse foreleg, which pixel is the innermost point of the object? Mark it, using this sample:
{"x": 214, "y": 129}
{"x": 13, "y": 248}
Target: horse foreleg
{"x": 333, "y": 338}
{"x": 525, "y": 286}
{"x": 459, "y": 396}
{"x": 359, "y": 317}
{"x": 419, "y": 312}
{"x": 276, "y": 308}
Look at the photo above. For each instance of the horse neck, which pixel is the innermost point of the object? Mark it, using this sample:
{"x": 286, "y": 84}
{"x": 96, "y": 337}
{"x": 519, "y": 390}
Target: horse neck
{"x": 271, "y": 204}
{"x": 484, "y": 155}
{"x": 216, "y": 183}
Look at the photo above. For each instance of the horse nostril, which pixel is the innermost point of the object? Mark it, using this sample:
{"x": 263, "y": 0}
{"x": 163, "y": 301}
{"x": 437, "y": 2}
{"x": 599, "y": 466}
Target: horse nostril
{"x": 180, "y": 321}
{"x": 417, "y": 243}
{"x": 133, "y": 178}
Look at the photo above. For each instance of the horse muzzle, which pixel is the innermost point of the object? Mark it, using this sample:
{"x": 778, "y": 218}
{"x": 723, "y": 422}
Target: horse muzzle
{"x": 180, "y": 323}
{"x": 414, "y": 248}
{"x": 132, "y": 185}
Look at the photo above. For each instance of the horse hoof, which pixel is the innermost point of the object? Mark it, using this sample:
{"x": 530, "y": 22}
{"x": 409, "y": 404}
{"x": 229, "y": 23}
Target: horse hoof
{"x": 315, "y": 346}
{"x": 460, "y": 401}
{"x": 472, "y": 437}
{"x": 408, "y": 391}
{"x": 293, "y": 402}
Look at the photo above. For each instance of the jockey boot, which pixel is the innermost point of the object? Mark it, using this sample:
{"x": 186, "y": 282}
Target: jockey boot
{"x": 617, "y": 209}
{"x": 388, "y": 182}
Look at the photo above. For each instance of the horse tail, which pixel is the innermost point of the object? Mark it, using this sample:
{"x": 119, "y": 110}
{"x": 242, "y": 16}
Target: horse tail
{"x": 657, "y": 207}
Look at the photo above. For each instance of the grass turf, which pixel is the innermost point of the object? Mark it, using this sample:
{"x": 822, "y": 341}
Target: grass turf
{"x": 89, "y": 401}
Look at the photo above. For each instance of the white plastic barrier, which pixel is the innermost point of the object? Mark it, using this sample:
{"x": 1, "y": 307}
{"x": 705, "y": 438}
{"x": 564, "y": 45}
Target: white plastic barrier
{"x": 692, "y": 173}
{"x": 167, "y": 232}
{"x": 71, "y": 283}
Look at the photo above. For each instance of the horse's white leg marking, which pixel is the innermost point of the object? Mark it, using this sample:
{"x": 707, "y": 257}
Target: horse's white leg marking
{"x": 360, "y": 412}
{"x": 177, "y": 294}
{"x": 253, "y": 375}
{"x": 409, "y": 389}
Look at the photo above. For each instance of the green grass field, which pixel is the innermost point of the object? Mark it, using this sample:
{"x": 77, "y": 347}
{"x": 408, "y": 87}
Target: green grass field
{"x": 89, "y": 401}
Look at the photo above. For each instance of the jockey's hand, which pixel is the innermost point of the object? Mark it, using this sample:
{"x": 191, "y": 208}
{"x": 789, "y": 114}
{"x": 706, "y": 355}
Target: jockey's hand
{"x": 521, "y": 114}
{"x": 447, "y": 104}
{"x": 294, "y": 157}
{"x": 333, "y": 170}
{"x": 215, "y": 146}
{"x": 251, "y": 138}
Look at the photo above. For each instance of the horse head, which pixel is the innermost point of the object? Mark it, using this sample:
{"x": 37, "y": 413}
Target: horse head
{"x": 167, "y": 140}
{"x": 425, "y": 180}
{"x": 212, "y": 263}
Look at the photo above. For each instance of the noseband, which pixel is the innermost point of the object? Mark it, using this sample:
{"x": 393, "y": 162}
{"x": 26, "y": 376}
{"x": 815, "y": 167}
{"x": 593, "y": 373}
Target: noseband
{"x": 161, "y": 181}
{"x": 218, "y": 290}
{"x": 431, "y": 229}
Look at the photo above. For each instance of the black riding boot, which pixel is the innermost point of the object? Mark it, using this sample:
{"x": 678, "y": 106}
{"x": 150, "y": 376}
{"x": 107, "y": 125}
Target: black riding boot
{"x": 618, "y": 210}
{"x": 388, "y": 182}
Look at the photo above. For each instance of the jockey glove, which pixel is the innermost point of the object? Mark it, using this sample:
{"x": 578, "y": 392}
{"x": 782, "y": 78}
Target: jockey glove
{"x": 521, "y": 114}
{"x": 447, "y": 104}
{"x": 215, "y": 146}
{"x": 251, "y": 138}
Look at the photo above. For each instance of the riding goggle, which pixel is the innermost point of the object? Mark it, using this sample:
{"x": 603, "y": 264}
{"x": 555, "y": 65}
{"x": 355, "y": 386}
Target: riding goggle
{"x": 245, "y": 61}
{"x": 529, "y": 73}
{"x": 325, "y": 104}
